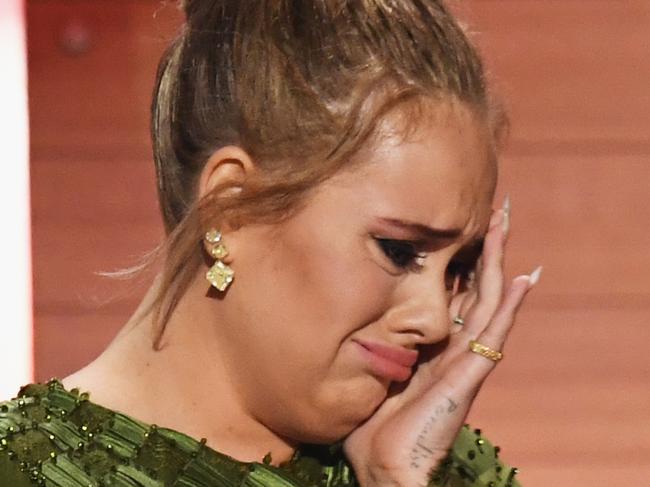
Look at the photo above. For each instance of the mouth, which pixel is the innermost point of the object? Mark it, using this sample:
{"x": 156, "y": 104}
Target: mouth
{"x": 389, "y": 362}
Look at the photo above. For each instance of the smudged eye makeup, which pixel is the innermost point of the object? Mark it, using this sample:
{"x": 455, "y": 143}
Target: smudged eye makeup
{"x": 403, "y": 254}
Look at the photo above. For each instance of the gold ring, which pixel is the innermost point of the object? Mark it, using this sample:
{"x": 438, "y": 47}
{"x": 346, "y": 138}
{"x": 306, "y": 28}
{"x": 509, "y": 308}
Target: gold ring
{"x": 485, "y": 351}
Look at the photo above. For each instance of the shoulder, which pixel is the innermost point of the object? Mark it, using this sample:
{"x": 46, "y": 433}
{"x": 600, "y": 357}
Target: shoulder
{"x": 19, "y": 442}
{"x": 54, "y": 436}
{"x": 51, "y": 436}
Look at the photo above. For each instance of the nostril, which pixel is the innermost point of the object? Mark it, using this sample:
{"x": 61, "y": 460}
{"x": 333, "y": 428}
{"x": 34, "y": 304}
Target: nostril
{"x": 422, "y": 311}
{"x": 426, "y": 328}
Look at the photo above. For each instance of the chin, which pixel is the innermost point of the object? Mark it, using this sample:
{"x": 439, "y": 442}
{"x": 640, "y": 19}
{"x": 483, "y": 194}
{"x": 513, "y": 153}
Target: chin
{"x": 328, "y": 431}
{"x": 343, "y": 414}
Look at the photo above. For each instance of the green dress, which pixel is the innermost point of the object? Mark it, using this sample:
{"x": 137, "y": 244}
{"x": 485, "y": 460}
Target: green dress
{"x": 57, "y": 438}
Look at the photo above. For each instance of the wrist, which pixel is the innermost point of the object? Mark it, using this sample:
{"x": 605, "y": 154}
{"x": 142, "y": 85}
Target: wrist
{"x": 386, "y": 477}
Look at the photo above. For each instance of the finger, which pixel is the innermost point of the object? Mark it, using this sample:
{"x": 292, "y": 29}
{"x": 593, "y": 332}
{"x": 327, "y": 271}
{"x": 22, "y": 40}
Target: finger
{"x": 494, "y": 336}
{"x": 460, "y": 310}
{"x": 468, "y": 302}
{"x": 458, "y": 305}
{"x": 490, "y": 278}
{"x": 490, "y": 282}
{"x": 456, "y": 312}
{"x": 473, "y": 368}
{"x": 456, "y": 302}
{"x": 497, "y": 331}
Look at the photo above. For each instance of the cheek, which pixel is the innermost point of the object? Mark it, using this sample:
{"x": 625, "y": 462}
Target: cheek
{"x": 332, "y": 282}
{"x": 315, "y": 291}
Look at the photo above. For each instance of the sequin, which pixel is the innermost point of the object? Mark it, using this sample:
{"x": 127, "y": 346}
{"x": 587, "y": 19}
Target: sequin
{"x": 131, "y": 452}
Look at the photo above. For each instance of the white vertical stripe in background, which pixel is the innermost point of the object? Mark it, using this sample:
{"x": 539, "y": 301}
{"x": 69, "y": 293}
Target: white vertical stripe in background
{"x": 15, "y": 249}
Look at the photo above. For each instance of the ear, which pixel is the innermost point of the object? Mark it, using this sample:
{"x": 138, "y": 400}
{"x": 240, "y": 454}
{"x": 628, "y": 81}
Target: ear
{"x": 226, "y": 171}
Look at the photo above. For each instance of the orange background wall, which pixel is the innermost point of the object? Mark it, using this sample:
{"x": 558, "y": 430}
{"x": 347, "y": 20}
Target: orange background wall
{"x": 570, "y": 405}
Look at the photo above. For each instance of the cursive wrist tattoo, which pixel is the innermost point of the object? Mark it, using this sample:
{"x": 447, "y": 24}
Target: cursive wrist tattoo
{"x": 421, "y": 454}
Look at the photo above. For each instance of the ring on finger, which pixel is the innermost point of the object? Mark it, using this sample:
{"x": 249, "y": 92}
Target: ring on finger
{"x": 458, "y": 320}
{"x": 485, "y": 351}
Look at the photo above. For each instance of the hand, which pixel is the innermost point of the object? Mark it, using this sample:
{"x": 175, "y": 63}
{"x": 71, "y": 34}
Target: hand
{"x": 414, "y": 428}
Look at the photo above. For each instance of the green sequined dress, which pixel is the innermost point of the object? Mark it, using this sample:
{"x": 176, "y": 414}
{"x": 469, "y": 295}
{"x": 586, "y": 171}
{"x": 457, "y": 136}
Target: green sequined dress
{"x": 57, "y": 438}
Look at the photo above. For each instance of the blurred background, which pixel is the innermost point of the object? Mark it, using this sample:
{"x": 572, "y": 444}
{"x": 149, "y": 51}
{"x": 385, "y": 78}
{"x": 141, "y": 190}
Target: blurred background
{"x": 570, "y": 405}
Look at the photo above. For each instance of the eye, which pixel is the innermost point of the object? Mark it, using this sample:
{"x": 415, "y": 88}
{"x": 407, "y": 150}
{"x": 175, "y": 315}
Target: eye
{"x": 402, "y": 253}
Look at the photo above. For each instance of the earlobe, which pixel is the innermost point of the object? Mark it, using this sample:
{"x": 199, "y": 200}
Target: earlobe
{"x": 225, "y": 171}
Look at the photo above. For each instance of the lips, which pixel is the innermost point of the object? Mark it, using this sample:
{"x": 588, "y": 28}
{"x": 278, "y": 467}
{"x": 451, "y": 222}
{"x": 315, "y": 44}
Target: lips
{"x": 393, "y": 363}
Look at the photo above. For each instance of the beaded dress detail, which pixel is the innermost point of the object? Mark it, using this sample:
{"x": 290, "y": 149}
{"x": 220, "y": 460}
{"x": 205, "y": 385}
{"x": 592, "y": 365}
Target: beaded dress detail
{"x": 57, "y": 438}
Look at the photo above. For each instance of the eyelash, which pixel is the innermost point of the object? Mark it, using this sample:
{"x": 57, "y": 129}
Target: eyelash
{"x": 403, "y": 255}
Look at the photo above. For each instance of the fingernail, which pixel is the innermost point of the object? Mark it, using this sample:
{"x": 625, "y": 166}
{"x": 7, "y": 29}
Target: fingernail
{"x": 506, "y": 214}
{"x": 534, "y": 276}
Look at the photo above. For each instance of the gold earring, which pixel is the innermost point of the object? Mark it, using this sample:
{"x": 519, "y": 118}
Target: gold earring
{"x": 219, "y": 275}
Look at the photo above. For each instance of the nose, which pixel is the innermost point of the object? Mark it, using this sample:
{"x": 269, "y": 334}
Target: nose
{"x": 420, "y": 309}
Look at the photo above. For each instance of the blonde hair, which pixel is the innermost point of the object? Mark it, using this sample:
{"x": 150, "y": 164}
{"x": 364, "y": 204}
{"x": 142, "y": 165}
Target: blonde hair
{"x": 300, "y": 86}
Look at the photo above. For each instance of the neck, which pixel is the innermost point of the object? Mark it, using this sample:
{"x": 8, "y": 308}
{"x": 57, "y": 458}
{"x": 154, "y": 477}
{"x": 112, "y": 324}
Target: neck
{"x": 183, "y": 386}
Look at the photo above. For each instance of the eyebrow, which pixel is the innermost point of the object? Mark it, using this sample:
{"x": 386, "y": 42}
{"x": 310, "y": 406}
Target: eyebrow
{"x": 424, "y": 232}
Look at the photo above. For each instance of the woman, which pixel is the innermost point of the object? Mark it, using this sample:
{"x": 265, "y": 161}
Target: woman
{"x": 326, "y": 172}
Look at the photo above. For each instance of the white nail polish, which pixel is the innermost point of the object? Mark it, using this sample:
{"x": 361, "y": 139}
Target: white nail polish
{"x": 506, "y": 204}
{"x": 534, "y": 276}
{"x": 506, "y": 214}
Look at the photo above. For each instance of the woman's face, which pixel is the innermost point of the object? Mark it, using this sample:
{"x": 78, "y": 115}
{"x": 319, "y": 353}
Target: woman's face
{"x": 331, "y": 306}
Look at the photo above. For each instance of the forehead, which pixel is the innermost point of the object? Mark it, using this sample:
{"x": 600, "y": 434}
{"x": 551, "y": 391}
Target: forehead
{"x": 437, "y": 170}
